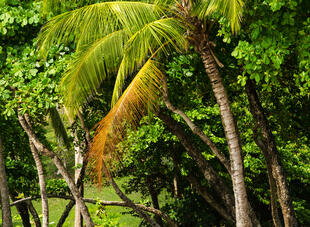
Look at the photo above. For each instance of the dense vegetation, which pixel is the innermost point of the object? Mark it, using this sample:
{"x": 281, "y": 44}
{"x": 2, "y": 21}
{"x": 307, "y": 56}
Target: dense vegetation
{"x": 203, "y": 114}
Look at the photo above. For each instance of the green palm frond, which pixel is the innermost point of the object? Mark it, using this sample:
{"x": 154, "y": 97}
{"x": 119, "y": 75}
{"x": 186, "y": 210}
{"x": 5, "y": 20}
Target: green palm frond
{"x": 231, "y": 9}
{"x": 92, "y": 22}
{"x": 142, "y": 94}
{"x": 90, "y": 67}
{"x": 157, "y": 35}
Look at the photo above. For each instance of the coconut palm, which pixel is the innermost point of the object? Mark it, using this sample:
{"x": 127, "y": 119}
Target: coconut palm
{"x": 121, "y": 38}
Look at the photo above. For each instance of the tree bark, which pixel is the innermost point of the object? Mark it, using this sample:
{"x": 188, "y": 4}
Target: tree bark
{"x": 243, "y": 216}
{"x": 34, "y": 214}
{"x": 65, "y": 214}
{"x": 103, "y": 202}
{"x": 71, "y": 204}
{"x": 273, "y": 191}
{"x": 175, "y": 187}
{"x": 154, "y": 197}
{"x": 42, "y": 184}
{"x": 22, "y": 209}
{"x": 195, "y": 129}
{"x": 273, "y": 160}
{"x": 126, "y": 199}
{"x": 45, "y": 151}
{"x": 209, "y": 173}
{"x": 4, "y": 191}
{"x": 78, "y": 220}
{"x": 203, "y": 192}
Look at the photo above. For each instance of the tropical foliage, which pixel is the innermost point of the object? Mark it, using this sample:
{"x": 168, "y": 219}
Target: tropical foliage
{"x": 106, "y": 62}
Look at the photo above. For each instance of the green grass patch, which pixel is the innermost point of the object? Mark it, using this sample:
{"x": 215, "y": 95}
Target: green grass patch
{"x": 112, "y": 215}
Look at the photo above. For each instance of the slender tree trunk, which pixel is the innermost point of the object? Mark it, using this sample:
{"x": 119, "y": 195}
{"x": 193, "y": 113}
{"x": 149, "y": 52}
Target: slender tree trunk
{"x": 104, "y": 203}
{"x": 65, "y": 214}
{"x": 34, "y": 214}
{"x": 154, "y": 197}
{"x": 273, "y": 160}
{"x": 42, "y": 184}
{"x": 209, "y": 173}
{"x": 4, "y": 191}
{"x": 71, "y": 204}
{"x": 203, "y": 192}
{"x": 22, "y": 209}
{"x": 175, "y": 187}
{"x": 272, "y": 184}
{"x": 243, "y": 216}
{"x": 45, "y": 151}
{"x": 119, "y": 192}
{"x": 195, "y": 129}
{"x": 78, "y": 221}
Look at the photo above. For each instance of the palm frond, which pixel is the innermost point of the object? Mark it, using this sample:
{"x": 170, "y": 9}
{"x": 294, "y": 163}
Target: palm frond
{"x": 154, "y": 36}
{"x": 90, "y": 67}
{"x": 231, "y": 9}
{"x": 142, "y": 93}
{"x": 89, "y": 23}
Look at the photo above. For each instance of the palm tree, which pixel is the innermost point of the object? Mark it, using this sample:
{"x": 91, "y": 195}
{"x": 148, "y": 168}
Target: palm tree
{"x": 121, "y": 38}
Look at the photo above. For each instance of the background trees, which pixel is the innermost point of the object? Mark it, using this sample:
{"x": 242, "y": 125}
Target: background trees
{"x": 269, "y": 56}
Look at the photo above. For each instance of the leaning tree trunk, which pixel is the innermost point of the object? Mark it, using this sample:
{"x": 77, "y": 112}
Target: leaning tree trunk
{"x": 232, "y": 136}
{"x": 270, "y": 148}
{"x": 195, "y": 129}
{"x": 42, "y": 184}
{"x": 204, "y": 192}
{"x": 119, "y": 192}
{"x": 4, "y": 192}
{"x": 154, "y": 197}
{"x": 34, "y": 214}
{"x": 22, "y": 209}
{"x": 209, "y": 173}
{"x": 62, "y": 169}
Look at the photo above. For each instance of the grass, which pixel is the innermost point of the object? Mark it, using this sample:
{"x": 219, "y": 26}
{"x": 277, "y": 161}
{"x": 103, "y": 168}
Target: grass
{"x": 114, "y": 214}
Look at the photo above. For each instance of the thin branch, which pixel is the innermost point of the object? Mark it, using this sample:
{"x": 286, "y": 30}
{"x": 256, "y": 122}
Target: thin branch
{"x": 94, "y": 201}
{"x": 195, "y": 129}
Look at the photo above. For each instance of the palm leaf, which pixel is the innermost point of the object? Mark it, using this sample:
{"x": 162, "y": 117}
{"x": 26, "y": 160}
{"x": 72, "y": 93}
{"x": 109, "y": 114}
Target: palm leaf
{"x": 231, "y": 9}
{"x": 154, "y": 36}
{"x": 87, "y": 24}
{"x": 90, "y": 67}
{"x": 142, "y": 93}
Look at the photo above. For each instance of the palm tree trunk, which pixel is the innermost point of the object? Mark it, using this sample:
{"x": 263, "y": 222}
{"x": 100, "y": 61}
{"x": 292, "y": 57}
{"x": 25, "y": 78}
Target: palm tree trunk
{"x": 4, "y": 192}
{"x": 42, "y": 184}
{"x": 272, "y": 156}
{"x": 243, "y": 217}
{"x": 62, "y": 169}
